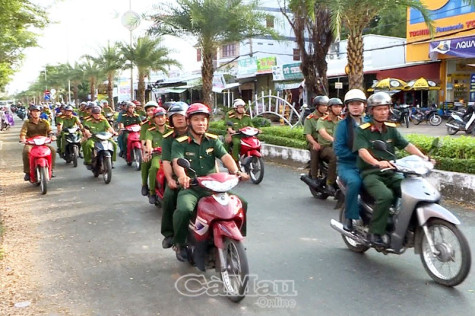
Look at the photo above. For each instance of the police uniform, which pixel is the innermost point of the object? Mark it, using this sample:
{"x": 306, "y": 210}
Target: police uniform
{"x": 238, "y": 123}
{"x": 155, "y": 136}
{"x": 127, "y": 120}
{"x": 145, "y": 167}
{"x": 310, "y": 128}
{"x": 96, "y": 126}
{"x": 65, "y": 122}
{"x": 385, "y": 186}
{"x": 326, "y": 151}
{"x": 31, "y": 129}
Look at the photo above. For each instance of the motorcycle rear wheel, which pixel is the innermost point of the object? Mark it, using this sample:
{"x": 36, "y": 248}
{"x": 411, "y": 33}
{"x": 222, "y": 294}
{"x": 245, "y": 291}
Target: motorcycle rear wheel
{"x": 350, "y": 243}
{"x": 406, "y": 121}
{"x": 452, "y": 265}
{"x": 75, "y": 156}
{"x": 451, "y": 130}
{"x": 435, "y": 119}
{"x": 256, "y": 170}
{"x": 236, "y": 275}
{"x": 317, "y": 194}
{"x": 107, "y": 170}
{"x": 43, "y": 179}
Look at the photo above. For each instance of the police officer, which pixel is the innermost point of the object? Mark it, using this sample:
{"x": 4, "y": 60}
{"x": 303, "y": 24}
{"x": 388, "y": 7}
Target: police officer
{"x": 148, "y": 123}
{"x": 201, "y": 149}
{"x": 239, "y": 119}
{"x": 129, "y": 118}
{"x": 383, "y": 186}
{"x": 34, "y": 126}
{"x": 177, "y": 120}
{"x": 320, "y": 103}
{"x": 67, "y": 120}
{"x": 326, "y": 128}
{"x": 355, "y": 101}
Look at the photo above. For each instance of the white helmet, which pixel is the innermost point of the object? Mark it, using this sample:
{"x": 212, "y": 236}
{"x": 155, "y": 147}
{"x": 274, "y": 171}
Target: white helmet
{"x": 238, "y": 102}
{"x": 355, "y": 95}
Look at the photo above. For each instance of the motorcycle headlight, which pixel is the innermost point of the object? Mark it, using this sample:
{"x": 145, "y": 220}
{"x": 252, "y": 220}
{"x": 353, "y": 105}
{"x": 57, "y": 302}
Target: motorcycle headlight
{"x": 217, "y": 186}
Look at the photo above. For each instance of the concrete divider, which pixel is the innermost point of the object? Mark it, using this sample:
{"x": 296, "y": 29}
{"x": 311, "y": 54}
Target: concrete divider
{"x": 452, "y": 185}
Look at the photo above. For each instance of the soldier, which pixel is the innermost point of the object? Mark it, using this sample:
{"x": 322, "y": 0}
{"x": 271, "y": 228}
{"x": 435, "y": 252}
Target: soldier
{"x": 148, "y": 123}
{"x": 201, "y": 149}
{"x": 239, "y": 119}
{"x": 67, "y": 120}
{"x": 383, "y": 186}
{"x": 129, "y": 118}
{"x": 320, "y": 103}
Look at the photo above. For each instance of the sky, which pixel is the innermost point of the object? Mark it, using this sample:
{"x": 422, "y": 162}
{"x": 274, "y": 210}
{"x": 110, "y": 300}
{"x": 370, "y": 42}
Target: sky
{"x": 83, "y": 27}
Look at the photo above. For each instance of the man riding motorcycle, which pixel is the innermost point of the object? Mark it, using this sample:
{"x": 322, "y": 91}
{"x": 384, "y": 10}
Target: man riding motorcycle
{"x": 239, "y": 119}
{"x": 145, "y": 167}
{"x": 67, "y": 120}
{"x": 320, "y": 103}
{"x": 129, "y": 118}
{"x": 35, "y": 126}
{"x": 355, "y": 101}
{"x": 383, "y": 186}
{"x": 201, "y": 149}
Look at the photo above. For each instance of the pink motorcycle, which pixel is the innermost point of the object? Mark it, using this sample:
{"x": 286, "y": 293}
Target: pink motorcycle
{"x": 40, "y": 161}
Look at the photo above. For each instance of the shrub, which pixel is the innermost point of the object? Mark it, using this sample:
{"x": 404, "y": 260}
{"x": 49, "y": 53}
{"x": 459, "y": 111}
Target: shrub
{"x": 261, "y": 122}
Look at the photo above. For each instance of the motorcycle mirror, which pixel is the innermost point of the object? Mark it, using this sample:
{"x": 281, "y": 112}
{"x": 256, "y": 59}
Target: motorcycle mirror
{"x": 229, "y": 123}
{"x": 182, "y": 162}
{"x": 380, "y": 145}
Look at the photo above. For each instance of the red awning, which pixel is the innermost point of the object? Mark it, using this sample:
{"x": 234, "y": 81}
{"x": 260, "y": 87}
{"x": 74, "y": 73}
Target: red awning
{"x": 430, "y": 71}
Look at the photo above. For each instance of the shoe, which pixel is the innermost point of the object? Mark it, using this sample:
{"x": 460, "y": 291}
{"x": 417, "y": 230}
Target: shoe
{"x": 152, "y": 199}
{"x": 121, "y": 154}
{"x": 88, "y": 166}
{"x": 376, "y": 240}
{"x": 181, "y": 254}
{"x": 348, "y": 224}
{"x": 167, "y": 242}
{"x": 80, "y": 156}
{"x": 330, "y": 189}
{"x": 144, "y": 190}
{"x": 26, "y": 177}
{"x": 53, "y": 175}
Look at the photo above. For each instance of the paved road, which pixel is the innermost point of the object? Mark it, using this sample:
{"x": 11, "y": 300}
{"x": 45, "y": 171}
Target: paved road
{"x": 103, "y": 256}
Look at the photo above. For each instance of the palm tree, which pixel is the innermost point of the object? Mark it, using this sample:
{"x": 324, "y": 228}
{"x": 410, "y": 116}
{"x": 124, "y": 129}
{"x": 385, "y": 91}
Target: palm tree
{"x": 355, "y": 16}
{"x": 212, "y": 23}
{"x": 94, "y": 73}
{"x": 110, "y": 60}
{"x": 147, "y": 54}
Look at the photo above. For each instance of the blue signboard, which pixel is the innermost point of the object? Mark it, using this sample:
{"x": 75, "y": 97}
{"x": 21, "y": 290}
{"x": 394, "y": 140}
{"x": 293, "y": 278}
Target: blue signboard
{"x": 472, "y": 87}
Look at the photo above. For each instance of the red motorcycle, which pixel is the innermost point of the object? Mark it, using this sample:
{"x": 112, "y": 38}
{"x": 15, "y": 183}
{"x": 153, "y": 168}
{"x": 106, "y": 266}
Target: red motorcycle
{"x": 40, "y": 161}
{"x": 250, "y": 154}
{"x": 215, "y": 239}
{"x": 134, "y": 146}
{"x": 161, "y": 180}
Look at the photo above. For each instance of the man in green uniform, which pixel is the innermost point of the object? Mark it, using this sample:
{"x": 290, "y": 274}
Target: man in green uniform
{"x": 92, "y": 125}
{"x": 153, "y": 138}
{"x": 201, "y": 149}
{"x": 145, "y": 167}
{"x": 320, "y": 103}
{"x": 383, "y": 186}
{"x": 326, "y": 126}
{"x": 34, "y": 126}
{"x": 67, "y": 120}
{"x": 239, "y": 119}
{"x": 129, "y": 118}
{"x": 177, "y": 120}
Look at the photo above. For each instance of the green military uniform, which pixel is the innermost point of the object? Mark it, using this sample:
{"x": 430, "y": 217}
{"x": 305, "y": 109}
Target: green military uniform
{"x": 127, "y": 120}
{"x": 31, "y": 129}
{"x": 238, "y": 123}
{"x": 154, "y": 135}
{"x": 141, "y": 113}
{"x": 326, "y": 151}
{"x": 65, "y": 122}
{"x": 202, "y": 158}
{"x": 145, "y": 167}
{"x": 310, "y": 128}
{"x": 95, "y": 126}
{"x": 385, "y": 186}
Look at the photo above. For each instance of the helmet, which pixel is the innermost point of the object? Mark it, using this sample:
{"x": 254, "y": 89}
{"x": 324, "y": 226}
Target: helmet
{"x": 176, "y": 108}
{"x": 151, "y": 104}
{"x": 197, "y": 108}
{"x": 104, "y": 102}
{"x": 34, "y": 107}
{"x": 238, "y": 102}
{"x": 355, "y": 95}
{"x": 379, "y": 98}
{"x": 159, "y": 111}
{"x": 334, "y": 101}
{"x": 83, "y": 103}
{"x": 320, "y": 100}
{"x": 96, "y": 109}
{"x": 90, "y": 105}
{"x": 68, "y": 108}
{"x": 130, "y": 104}
{"x": 136, "y": 102}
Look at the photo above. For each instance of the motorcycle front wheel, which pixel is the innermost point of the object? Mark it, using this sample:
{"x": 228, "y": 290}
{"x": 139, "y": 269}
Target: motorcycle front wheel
{"x": 452, "y": 264}
{"x": 137, "y": 159}
{"x": 406, "y": 120}
{"x": 107, "y": 170}
{"x": 451, "y": 130}
{"x": 256, "y": 170}
{"x": 75, "y": 156}
{"x": 43, "y": 179}
{"x": 353, "y": 245}
{"x": 435, "y": 119}
{"x": 236, "y": 274}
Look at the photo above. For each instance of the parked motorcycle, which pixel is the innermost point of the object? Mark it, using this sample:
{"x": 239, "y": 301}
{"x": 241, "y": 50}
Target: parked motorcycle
{"x": 161, "y": 180}
{"x": 250, "y": 154}
{"x": 134, "y": 146}
{"x": 459, "y": 122}
{"x": 215, "y": 239}
{"x": 73, "y": 145}
{"x": 427, "y": 115}
{"x": 102, "y": 156}
{"x": 400, "y": 115}
{"x": 416, "y": 220}
{"x": 40, "y": 161}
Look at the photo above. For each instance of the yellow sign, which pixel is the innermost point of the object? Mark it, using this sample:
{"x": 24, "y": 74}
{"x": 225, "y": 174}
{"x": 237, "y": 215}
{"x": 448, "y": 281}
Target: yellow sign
{"x": 434, "y": 4}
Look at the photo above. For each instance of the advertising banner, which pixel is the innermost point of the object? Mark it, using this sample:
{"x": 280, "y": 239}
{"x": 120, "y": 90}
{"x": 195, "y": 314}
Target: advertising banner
{"x": 460, "y": 47}
{"x": 264, "y": 65}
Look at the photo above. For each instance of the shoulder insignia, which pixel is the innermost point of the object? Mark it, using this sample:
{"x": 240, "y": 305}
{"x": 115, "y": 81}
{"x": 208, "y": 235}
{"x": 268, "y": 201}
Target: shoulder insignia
{"x": 310, "y": 116}
{"x": 390, "y": 124}
{"x": 231, "y": 115}
{"x": 231, "y": 112}
{"x": 151, "y": 128}
{"x": 365, "y": 126}
{"x": 168, "y": 134}
{"x": 213, "y": 136}
{"x": 88, "y": 118}
{"x": 325, "y": 118}
{"x": 182, "y": 139}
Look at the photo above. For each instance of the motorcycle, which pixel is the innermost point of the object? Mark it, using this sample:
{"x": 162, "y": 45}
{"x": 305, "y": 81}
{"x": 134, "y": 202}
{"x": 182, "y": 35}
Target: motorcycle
{"x": 416, "y": 220}
{"x": 428, "y": 115}
{"x": 250, "y": 154}
{"x": 21, "y": 113}
{"x": 400, "y": 115}
{"x": 318, "y": 186}
{"x": 101, "y": 162}
{"x": 215, "y": 239}
{"x": 40, "y": 158}
{"x": 73, "y": 145}
{"x": 134, "y": 146}
{"x": 161, "y": 180}
{"x": 6, "y": 120}
{"x": 110, "y": 119}
{"x": 459, "y": 122}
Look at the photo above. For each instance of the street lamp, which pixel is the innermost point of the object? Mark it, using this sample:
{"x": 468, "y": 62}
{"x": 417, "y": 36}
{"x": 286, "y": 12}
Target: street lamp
{"x": 131, "y": 21}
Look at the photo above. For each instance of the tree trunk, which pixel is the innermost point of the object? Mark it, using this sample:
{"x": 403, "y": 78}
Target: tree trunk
{"x": 207, "y": 71}
{"x": 93, "y": 89}
{"x": 355, "y": 59}
{"x": 110, "y": 94}
{"x": 141, "y": 88}
{"x": 75, "y": 95}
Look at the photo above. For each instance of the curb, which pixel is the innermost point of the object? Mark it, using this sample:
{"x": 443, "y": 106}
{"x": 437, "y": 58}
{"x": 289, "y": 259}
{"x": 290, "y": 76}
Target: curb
{"x": 457, "y": 186}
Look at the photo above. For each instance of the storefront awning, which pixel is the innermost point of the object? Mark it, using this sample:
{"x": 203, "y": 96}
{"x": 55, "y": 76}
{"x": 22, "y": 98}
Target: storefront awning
{"x": 460, "y": 47}
{"x": 174, "y": 90}
{"x": 227, "y": 87}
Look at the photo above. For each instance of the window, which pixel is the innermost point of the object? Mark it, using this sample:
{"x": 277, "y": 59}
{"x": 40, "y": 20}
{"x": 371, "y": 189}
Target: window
{"x": 270, "y": 21}
{"x": 228, "y": 50}
{"x": 296, "y": 54}
{"x": 198, "y": 54}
